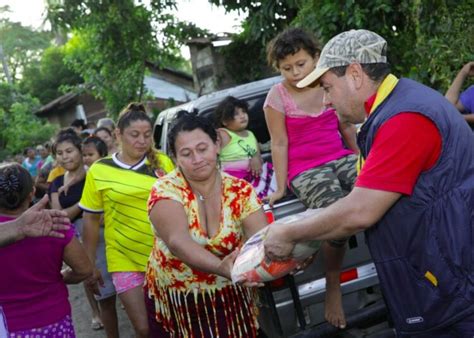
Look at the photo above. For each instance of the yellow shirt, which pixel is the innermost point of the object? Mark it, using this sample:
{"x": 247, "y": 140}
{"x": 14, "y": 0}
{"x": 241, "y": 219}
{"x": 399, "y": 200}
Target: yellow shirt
{"x": 121, "y": 192}
{"x": 56, "y": 172}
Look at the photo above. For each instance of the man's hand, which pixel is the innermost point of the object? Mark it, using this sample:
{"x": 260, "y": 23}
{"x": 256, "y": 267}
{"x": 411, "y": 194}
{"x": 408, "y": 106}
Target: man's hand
{"x": 277, "y": 244}
{"x": 37, "y": 221}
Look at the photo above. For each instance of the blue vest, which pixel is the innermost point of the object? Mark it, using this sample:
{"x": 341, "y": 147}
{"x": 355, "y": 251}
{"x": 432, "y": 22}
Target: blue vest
{"x": 423, "y": 247}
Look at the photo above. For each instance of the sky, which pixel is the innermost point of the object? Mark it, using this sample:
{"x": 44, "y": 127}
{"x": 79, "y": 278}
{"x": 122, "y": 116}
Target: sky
{"x": 200, "y": 12}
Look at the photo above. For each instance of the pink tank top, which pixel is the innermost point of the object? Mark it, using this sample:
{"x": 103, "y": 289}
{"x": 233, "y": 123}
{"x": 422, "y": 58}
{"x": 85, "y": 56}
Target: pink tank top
{"x": 312, "y": 140}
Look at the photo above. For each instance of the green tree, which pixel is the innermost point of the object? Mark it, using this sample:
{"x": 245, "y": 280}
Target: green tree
{"x": 20, "y": 127}
{"x": 428, "y": 40}
{"x": 22, "y": 46}
{"x": 47, "y": 79}
{"x": 113, "y": 40}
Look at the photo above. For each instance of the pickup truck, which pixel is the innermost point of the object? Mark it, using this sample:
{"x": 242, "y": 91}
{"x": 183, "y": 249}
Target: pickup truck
{"x": 294, "y": 305}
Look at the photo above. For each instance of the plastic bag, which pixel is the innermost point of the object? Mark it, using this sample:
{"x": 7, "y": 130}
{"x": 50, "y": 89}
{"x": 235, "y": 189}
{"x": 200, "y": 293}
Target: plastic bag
{"x": 252, "y": 265}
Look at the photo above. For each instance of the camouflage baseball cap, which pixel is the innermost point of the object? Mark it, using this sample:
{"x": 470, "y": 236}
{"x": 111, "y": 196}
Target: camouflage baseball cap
{"x": 361, "y": 46}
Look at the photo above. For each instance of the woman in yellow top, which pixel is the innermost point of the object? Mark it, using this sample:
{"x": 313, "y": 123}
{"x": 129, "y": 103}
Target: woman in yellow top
{"x": 118, "y": 186}
{"x": 201, "y": 216}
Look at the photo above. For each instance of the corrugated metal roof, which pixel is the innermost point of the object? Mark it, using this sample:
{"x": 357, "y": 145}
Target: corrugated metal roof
{"x": 162, "y": 89}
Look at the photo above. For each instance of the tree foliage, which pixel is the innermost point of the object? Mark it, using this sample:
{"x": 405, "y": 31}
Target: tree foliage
{"x": 20, "y": 127}
{"x": 114, "y": 39}
{"x": 22, "y": 46}
{"x": 428, "y": 40}
{"x": 50, "y": 77}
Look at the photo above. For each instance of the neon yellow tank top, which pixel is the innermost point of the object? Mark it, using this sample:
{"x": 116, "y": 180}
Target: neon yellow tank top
{"x": 239, "y": 148}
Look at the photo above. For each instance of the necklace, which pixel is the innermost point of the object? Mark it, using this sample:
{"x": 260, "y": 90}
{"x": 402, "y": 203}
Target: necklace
{"x": 203, "y": 198}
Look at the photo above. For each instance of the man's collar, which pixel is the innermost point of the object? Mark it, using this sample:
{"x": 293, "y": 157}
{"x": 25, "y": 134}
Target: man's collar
{"x": 383, "y": 91}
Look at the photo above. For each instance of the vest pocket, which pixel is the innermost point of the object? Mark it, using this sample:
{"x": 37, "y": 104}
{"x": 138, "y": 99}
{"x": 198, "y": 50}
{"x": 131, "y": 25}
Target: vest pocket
{"x": 418, "y": 299}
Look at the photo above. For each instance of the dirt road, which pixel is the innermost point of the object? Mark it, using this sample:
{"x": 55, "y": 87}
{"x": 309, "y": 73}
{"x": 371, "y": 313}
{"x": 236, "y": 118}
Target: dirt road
{"x": 81, "y": 314}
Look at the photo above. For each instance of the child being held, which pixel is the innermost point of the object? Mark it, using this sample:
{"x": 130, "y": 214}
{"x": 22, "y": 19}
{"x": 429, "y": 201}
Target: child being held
{"x": 240, "y": 154}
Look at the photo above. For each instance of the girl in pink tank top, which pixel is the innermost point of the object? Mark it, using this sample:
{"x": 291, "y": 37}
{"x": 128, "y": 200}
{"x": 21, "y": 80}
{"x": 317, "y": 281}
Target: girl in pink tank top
{"x": 312, "y": 152}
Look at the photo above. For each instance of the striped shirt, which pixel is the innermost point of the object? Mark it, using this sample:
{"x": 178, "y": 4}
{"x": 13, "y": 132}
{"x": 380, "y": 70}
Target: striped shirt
{"x": 121, "y": 191}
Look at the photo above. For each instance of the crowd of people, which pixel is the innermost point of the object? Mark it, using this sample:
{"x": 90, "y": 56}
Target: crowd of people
{"x": 99, "y": 205}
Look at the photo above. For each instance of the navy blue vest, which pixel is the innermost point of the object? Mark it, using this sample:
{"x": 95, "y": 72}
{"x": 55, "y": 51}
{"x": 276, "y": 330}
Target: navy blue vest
{"x": 428, "y": 235}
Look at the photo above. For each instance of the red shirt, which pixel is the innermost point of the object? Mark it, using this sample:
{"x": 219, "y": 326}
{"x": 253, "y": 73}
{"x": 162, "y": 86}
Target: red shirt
{"x": 403, "y": 147}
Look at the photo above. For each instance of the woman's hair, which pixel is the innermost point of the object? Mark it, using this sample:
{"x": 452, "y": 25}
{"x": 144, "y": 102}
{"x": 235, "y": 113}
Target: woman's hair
{"x": 15, "y": 186}
{"x": 98, "y": 144}
{"x": 186, "y": 121}
{"x": 79, "y": 123}
{"x": 225, "y": 110}
{"x": 289, "y": 42}
{"x": 107, "y": 130}
{"x": 67, "y": 135}
{"x": 136, "y": 112}
{"x": 106, "y": 121}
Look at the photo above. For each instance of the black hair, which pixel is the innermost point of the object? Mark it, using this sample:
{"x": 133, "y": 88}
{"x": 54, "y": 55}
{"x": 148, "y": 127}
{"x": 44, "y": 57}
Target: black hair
{"x": 99, "y": 145}
{"x": 136, "y": 112}
{"x": 25, "y": 152}
{"x": 375, "y": 71}
{"x": 225, "y": 110}
{"x": 186, "y": 121}
{"x": 289, "y": 42}
{"x": 67, "y": 135}
{"x": 107, "y": 130}
{"x": 15, "y": 186}
{"x": 79, "y": 123}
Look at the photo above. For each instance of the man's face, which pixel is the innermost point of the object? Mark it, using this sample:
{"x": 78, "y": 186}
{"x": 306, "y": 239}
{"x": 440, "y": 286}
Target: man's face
{"x": 341, "y": 93}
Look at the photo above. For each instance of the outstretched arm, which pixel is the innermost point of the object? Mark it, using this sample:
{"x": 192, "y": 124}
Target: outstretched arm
{"x": 34, "y": 222}
{"x": 454, "y": 90}
{"x": 357, "y": 211}
{"x": 170, "y": 221}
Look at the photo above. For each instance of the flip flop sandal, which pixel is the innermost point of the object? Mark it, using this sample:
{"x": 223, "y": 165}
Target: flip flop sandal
{"x": 96, "y": 325}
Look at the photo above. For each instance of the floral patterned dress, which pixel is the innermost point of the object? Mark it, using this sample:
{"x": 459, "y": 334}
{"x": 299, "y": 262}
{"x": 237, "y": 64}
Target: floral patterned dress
{"x": 189, "y": 302}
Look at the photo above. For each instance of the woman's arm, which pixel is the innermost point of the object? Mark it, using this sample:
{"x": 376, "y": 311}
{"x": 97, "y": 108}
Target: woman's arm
{"x": 72, "y": 212}
{"x": 279, "y": 141}
{"x": 90, "y": 236}
{"x": 254, "y": 223}
{"x": 76, "y": 258}
{"x": 455, "y": 89}
{"x": 349, "y": 135}
{"x": 171, "y": 223}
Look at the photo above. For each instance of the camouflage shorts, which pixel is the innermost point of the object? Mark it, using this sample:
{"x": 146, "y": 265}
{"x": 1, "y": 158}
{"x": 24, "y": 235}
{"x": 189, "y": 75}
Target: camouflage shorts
{"x": 321, "y": 186}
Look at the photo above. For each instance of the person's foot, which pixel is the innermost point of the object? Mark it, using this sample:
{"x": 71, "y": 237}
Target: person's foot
{"x": 333, "y": 311}
{"x": 96, "y": 324}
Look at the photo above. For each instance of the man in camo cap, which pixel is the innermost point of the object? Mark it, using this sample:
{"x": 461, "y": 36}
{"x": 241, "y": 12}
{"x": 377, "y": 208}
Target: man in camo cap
{"x": 414, "y": 195}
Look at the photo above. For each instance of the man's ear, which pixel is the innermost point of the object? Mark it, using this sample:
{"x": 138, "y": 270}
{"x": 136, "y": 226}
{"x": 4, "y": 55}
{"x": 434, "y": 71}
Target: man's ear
{"x": 356, "y": 74}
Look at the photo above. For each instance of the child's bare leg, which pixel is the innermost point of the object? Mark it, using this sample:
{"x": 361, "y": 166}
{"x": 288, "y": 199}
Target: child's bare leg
{"x": 333, "y": 311}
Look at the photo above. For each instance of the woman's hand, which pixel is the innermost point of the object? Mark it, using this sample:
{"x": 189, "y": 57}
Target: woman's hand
{"x": 94, "y": 281}
{"x": 272, "y": 198}
{"x": 226, "y": 264}
{"x": 38, "y": 221}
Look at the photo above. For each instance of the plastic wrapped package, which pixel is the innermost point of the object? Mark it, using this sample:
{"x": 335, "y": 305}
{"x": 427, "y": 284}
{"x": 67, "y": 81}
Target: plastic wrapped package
{"x": 252, "y": 265}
